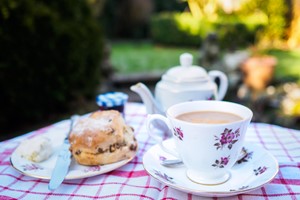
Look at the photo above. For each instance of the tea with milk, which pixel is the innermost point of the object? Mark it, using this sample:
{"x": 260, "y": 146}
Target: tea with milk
{"x": 209, "y": 117}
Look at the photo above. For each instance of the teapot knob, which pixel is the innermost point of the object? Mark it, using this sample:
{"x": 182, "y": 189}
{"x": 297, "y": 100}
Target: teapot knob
{"x": 186, "y": 59}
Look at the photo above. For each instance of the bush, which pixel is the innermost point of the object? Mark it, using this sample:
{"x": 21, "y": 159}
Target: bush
{"x": 185, "y": 30}
{"x": 170, "y": 5}
{"x": 165, "y": 29}
{"x": 276, "y": 18}
{"x": 50, "y": 53}
{"x": 235, "y": 35}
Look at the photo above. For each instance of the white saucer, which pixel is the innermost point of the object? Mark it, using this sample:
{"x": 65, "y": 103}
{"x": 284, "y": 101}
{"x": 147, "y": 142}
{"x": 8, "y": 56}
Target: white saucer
{"x": 43, "y": 170}
{"x": 256, "y": 169}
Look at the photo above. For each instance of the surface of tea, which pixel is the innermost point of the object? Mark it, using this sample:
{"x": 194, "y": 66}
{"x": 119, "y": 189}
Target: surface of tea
{"x": 209, "y": 117}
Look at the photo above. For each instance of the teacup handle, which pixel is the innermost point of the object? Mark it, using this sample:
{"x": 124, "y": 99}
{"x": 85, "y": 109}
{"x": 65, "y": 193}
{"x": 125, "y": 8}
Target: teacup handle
{"x": 157, "y": 138}
{"x": 223, "y": 83}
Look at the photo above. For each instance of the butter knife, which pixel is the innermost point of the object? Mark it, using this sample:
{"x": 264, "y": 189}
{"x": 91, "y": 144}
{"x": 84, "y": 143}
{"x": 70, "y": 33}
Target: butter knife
{"x": 63, "y": 160}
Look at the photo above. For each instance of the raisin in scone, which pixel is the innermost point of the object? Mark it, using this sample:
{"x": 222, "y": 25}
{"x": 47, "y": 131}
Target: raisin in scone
{"x": 102, "y": 138}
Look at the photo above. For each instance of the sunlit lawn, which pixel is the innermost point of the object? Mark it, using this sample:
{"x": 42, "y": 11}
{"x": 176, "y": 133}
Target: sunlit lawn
{"x": 137, "y": 57}
{"x": 133, "y": 57}
{"x": 288, "y": 63}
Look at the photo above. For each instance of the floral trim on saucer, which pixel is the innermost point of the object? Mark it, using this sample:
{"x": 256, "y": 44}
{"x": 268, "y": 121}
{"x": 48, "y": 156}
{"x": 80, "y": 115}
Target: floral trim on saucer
{"x": 260, "y": 170}
{"x": 247, "y": 157}
{"x": 228, "y": 138}
{"x": 31, "y": 167}
{"x": 164, "y": 176}
{"x": 92, "y": 169}
{"x": 239, "y": 189}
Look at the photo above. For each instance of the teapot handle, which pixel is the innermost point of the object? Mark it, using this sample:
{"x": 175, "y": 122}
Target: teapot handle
{"x": 223, "y": 83}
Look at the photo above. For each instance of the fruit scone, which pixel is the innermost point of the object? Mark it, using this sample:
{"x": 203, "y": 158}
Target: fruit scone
{"x": 102, "y": 138}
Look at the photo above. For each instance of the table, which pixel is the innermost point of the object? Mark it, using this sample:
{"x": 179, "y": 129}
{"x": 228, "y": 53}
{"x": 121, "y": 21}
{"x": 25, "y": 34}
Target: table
{"x": 131, "y": 181}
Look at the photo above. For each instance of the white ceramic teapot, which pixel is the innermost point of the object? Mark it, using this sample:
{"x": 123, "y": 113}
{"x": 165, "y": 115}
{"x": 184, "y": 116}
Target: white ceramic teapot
{"x": 183, "y": 83}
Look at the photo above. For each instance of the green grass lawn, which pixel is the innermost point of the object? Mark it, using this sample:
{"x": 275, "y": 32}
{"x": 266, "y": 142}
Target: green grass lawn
{"x": 288, "y": 63}
{"x": 135, "y": 57}
{"x": 143, "y": 57}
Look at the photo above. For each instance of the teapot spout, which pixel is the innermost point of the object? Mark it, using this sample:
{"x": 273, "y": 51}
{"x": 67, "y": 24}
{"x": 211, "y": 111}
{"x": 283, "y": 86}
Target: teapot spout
{"x": 151, "y": 104}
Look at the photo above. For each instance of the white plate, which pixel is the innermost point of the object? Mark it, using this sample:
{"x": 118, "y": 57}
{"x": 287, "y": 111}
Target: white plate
{"x": 44, "y": 169}
{"x": 256, "y": 169}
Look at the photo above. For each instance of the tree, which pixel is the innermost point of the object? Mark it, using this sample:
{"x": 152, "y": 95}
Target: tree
{"x": 294, "y": 35}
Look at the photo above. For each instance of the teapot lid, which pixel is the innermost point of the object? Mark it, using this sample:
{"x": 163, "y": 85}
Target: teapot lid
{"x": 186, "y": 72}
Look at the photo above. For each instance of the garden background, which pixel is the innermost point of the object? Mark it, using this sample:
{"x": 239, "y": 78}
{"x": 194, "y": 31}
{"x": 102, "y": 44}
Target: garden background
{"x": 56, "y": 57}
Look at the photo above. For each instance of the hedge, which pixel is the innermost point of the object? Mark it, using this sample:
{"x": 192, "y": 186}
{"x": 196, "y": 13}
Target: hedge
{"x": 184, "y": 30}
{"x": 50, "y": 53}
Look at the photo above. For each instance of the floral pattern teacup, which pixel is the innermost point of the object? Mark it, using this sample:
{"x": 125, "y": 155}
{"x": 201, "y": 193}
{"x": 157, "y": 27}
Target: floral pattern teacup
{"x": 207, "y": 150}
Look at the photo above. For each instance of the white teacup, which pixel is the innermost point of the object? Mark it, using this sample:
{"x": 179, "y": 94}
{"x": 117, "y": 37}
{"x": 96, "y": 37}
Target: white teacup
{"x": 208, "y": 150}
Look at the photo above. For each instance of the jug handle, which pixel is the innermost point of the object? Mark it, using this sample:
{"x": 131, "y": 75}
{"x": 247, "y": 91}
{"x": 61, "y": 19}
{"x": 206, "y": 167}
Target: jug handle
{"x": 223, "y": 83}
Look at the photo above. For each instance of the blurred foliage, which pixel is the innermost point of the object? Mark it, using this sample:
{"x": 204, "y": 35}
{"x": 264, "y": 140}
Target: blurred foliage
{"x": 186, "y": 30}
{"x": 237, "y": 32}
{"x": 130, "y": 19}
{"x": 168, "y": 29}
{"x": 170, "y": 5}
{"x": 290, "y": 105}
{"x": 294, "y": 32}
{"x": 279, "y": 104}
{"x": 50, "y": 53}
{"x": 127, "y": 18}
{"x": 261, "y": 22}
{"x": 277, "y": 22}
{"x": 203, "y": 8}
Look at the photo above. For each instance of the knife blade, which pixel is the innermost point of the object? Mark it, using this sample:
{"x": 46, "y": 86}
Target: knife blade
{"x": 63, "y": 161}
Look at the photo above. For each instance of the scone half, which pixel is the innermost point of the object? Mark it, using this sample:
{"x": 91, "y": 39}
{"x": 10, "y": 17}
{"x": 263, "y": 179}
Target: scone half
{"x": 99, "y": 143}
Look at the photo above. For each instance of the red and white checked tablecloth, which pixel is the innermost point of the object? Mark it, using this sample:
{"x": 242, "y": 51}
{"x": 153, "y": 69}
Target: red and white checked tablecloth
{"x": 132, "y": 181}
